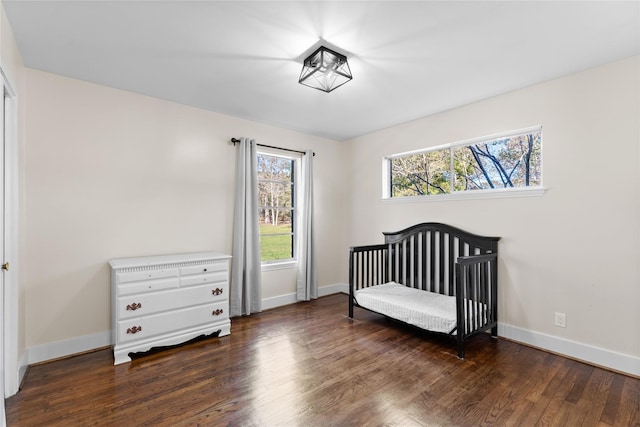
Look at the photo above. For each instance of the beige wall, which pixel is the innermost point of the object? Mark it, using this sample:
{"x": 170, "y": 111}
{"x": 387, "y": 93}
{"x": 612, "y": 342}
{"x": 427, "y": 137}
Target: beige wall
{"x": 574, "y": 250}
{"x": 115, "y": 174}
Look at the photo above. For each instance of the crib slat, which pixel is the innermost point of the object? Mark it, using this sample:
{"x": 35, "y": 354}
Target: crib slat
{"x": 450, "y": 264}
{"x": 461, "y": 252}
{"x": 381, "y": 260}
{"x": 441, "y": 265}
{"x": 432, "y": 261}
{"x": 391, "y": 254}
{"x": 379, "y": 267}
{"x": 369, "y": 268}
{"x": 359, "y": 280}
{"x": 423, "y": 260}
{"x": 474, "y": 298}
{"x": 355, "y": 268}
{"x": 410, "y": 262}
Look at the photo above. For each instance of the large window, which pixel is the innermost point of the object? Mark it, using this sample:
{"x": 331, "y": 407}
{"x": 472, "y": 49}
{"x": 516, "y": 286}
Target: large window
{"x": 511, "y": 160}
{"x": 277, "y": 200}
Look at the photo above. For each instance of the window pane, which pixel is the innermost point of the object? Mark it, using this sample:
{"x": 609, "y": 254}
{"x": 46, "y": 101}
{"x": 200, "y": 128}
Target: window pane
{"x": 503, "y": 163}
{"x": 421, "y": 174}
{"x": 272, "y": 193}
{"x": 276, "y": 247}
{"x": 272, "y": 166}
{"x": 275, "y": 197}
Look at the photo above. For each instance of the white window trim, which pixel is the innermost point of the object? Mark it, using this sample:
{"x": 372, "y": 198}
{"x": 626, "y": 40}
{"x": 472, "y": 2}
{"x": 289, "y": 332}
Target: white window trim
{"x": 493, "y": 193}
{"x": 471, "y": 195}
{"x": 279, "y": 265}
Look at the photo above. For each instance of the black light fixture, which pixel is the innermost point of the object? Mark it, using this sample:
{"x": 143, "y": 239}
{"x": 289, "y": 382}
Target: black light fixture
{"x": 325, "y": 70}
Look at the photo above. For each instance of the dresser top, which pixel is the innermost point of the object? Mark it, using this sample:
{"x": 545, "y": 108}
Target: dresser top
{"x": 119, "y": 263}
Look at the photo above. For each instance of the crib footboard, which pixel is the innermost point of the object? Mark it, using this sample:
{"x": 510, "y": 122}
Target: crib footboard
{"x": 367, "y": 267}
{"x": 476, "y": 297}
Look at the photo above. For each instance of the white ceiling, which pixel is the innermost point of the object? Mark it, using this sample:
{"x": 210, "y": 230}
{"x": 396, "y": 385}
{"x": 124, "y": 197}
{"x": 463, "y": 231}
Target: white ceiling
{"x": 408, "y": 59}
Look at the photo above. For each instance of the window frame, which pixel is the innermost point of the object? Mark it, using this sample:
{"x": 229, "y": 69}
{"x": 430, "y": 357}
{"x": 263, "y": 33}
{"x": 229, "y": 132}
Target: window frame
{"x": 500, "y": 192}
{"x": 296, "y": 196}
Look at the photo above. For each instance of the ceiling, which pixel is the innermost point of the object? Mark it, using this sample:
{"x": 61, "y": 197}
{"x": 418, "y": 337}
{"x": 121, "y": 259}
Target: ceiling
{"x": 241, "y": 58}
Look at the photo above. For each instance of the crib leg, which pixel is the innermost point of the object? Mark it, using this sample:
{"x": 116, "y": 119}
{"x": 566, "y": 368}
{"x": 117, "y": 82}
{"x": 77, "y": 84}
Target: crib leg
{"x": 460, "y": 347}
{"x": 494, "y": 332}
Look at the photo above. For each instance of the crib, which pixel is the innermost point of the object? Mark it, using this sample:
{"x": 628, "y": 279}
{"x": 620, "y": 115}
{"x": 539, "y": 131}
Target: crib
{"x": 433, "y": 276}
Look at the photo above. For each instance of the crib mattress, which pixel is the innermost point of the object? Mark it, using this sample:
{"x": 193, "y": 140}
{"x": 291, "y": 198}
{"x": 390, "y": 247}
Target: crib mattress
{"x": 426, "y": 310}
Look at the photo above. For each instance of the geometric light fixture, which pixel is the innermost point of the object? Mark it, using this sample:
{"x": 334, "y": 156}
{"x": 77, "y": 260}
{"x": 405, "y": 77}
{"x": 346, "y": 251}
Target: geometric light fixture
{"x": 325, "y": 70}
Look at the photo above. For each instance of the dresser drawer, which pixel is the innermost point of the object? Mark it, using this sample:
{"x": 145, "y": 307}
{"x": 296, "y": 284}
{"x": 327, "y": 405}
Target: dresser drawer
{"x": 136, "y": 276}
{"x": 145, "y": 304}
{"x": 205, "y": 268}
{"x": 147, "y": 286}
{"x": 219, "y": 278}
{"x": 141, "y": 328}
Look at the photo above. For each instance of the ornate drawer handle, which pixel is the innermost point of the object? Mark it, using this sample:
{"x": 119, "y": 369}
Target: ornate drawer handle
{"x": 134, "y": 330}
{"x": 217, "y": 291}
{"x": 134, "y": 306}
{"x": 217, "y": 312}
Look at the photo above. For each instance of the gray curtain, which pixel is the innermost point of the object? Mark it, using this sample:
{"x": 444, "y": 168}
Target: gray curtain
{"x": 307, "y": 284}
{"x": 246, "y": 284}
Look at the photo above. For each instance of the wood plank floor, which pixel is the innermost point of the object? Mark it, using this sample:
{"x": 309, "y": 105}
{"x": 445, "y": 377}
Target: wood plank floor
{"x": 309, "y": 365}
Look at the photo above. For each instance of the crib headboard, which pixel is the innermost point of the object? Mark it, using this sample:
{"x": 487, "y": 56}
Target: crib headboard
{"x": 423, "y": 256}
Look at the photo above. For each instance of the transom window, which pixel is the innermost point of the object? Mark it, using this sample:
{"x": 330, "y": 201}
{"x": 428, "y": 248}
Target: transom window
{"x": 505, "y": 161}
{"x": 277, "y": 200}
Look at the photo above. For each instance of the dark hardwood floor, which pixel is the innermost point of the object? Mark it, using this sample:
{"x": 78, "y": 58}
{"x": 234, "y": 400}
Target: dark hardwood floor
{"x": 309, "y": 365}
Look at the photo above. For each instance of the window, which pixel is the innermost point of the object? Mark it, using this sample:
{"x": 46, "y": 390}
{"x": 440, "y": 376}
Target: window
{"x": 506, "y": 161}
{"x": 277, "y": 174}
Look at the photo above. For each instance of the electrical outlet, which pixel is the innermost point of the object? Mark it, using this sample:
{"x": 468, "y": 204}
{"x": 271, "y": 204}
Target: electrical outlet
{"x": 561, "y": 320}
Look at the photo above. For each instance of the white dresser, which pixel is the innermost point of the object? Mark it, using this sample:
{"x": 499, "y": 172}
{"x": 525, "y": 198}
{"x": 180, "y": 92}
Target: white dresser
{"x": 166, "y": 300}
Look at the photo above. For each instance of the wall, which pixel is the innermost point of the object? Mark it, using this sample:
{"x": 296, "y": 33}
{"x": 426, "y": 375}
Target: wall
{"x": 573, "y": 250}
{"x": 114, "y": 174}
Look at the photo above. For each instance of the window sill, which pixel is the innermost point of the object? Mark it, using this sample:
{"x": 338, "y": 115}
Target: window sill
{"x": 279, "y": 265}
{"x": 471, "y": 195}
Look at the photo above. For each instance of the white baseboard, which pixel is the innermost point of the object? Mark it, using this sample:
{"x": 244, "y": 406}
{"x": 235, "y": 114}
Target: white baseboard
{"x": 333, "y": 289}
{"x": 280, "y": 300}
{"x": 593, "y": 355}
{"x": 597, "y": 356}
{"x": 68, "y": 347}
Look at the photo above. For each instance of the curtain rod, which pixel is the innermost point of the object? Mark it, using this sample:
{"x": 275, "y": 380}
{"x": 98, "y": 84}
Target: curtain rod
{"x": 235, "y": 141}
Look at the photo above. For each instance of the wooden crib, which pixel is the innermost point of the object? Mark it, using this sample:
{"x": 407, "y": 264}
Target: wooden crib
{"x": 431, "y": 275}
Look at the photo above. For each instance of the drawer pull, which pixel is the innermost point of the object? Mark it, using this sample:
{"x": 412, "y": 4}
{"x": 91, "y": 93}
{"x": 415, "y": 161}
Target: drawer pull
{"x": 134, "y": 330}
{"x": 217, "y": 291}
{"x": 134, "y": 306}
{"x": 217, "y": 312}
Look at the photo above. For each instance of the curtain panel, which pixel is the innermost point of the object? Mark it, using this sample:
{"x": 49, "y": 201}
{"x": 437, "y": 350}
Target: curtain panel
{"x": 307, "y": 282}
{"x": 246, "y": 283}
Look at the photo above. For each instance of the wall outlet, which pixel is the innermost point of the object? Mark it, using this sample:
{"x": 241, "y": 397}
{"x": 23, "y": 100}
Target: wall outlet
{"x": 561, "y": 320}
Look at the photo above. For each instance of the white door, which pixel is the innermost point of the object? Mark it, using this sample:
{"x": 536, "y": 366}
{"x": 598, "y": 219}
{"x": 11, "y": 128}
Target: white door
{"x": 5, "y": 267}
{"x": 9, "y": 378}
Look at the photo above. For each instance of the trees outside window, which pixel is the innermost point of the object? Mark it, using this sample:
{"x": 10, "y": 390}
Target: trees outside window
{"x": 513, "y": 160}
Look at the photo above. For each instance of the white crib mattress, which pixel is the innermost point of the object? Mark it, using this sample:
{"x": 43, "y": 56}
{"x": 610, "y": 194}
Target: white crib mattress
{"x": 426, "y": 310}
